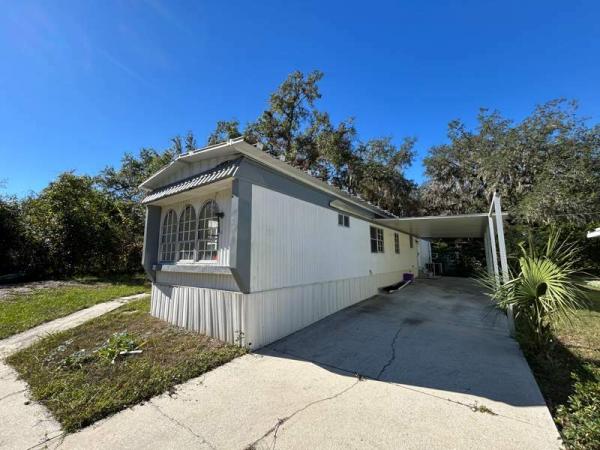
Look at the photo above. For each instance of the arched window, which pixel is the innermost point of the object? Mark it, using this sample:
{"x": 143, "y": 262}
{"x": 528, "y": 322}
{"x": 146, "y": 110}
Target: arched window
{"x": 187, "y": 228}
{"x": 168, "y": 238}
{"x": 208, "y": 231}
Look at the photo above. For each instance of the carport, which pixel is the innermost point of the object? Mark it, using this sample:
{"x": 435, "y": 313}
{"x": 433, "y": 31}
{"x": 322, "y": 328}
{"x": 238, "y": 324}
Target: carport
{"x": 487, "y": 226}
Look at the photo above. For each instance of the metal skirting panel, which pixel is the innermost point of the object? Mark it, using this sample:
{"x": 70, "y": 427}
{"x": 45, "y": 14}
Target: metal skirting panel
{"x": 212, "y": 312}
{"x": 259, "y": 318}
{"x": 199, "y": 280}
{"x": 272, "y": 315}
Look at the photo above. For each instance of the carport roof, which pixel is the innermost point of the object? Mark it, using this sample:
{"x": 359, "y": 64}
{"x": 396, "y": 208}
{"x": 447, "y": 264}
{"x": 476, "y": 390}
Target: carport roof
{"x": 459, "y": 226}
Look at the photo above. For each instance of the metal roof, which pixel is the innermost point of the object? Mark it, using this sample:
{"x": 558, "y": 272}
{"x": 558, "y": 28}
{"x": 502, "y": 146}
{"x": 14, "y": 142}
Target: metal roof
{"x": 459, "y": 226}
{"x": 239, "y": 146}
{"x": 224, "y": 170}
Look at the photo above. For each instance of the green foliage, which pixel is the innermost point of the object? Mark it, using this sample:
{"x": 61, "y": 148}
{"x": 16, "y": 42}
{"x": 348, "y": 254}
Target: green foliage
{"x": 579, "y": 419}
{"x": 294, "y": 130}
{"x": 547, "y": 167}
{"x": 121, "y": 185}
{"x": 73, "y": 226}
{"x": 11, "y": 236}
{"x": 544, "y": 290}
{"x": 116, "y": 344}
{"x": 87, "y": 389}
{"x": 225, "y": 130}
{"x": 82, "y": 224}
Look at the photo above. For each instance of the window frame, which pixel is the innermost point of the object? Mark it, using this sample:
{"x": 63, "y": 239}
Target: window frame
{"x": 201, "y": 242}
{"x": 397, "y": 243}
{"x": 169, "y": 229}
{"x": 377, "y": 241}
{"x": 187, "y": 228}
{"x": 343, "y": 220}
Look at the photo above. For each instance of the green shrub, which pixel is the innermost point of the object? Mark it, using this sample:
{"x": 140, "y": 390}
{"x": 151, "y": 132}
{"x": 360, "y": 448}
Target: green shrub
{"x": 580, "y": 417}
{"x": 544, "y": 290}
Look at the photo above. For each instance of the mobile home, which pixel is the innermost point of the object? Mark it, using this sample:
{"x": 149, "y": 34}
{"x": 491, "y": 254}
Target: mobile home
{"x": 246, "y": 248}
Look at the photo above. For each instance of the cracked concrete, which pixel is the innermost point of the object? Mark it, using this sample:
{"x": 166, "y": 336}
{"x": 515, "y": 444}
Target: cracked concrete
{"x": 392, "y": 358}
{"x": 280, "y": 422}
{"x": 336, "y": 385}
{"x": 184, "y": 426}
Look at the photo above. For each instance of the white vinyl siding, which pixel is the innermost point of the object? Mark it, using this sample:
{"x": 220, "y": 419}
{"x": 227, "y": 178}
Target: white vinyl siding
{"x": 295, "y": 242}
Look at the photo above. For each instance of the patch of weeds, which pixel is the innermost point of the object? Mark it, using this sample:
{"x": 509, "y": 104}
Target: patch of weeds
{"x": 118, "y": 344}
{"x": 483, "y": 409}
{"x": 77, "y": 359}
{"x": 72, "y": 375}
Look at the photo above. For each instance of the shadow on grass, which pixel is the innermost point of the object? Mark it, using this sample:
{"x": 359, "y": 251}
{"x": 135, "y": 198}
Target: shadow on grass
{"x": 553, "y": 371}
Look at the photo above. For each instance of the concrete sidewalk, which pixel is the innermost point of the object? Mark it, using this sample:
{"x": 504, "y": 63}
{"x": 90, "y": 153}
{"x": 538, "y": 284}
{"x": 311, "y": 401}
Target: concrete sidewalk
{"x": 19, "y": 341}
{"x": 431, "y": 366}
{"x": 25, "y": 423}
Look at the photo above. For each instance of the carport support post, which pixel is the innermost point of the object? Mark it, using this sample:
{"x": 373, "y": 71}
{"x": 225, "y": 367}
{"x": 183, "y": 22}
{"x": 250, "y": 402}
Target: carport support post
{"x": 486, "y": 246}
{"x": 503, "y": 259}
{"x": 492, "y": 237}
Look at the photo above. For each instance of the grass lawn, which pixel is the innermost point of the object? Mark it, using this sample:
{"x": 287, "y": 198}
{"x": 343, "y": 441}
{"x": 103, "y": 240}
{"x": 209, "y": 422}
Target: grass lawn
{"x": 569, "y": 377}
{"x": 76, "y": 375}
{"x": 21, "y": 311}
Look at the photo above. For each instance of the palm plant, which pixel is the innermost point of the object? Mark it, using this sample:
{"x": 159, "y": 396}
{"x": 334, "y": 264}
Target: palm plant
{"x": 544, "y": 290}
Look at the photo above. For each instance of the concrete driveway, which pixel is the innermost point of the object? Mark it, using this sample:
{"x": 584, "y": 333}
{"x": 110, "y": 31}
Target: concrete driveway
{"x": 430, "y": 366}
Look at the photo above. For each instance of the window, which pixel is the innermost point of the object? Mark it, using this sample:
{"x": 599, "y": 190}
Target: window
{"x": 397, "y": 243}
{"x": 187, "y": 228}
{"x": 208, "y": 231}
{"x": 168, "y": 238}
{"x": 376, "y": 240}
{"x": 343, "y": 220}
{"x": 411, "y": 242}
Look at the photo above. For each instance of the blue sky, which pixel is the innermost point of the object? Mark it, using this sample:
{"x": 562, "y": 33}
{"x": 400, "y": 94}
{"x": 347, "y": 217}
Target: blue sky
{"x": 82, "y": 82}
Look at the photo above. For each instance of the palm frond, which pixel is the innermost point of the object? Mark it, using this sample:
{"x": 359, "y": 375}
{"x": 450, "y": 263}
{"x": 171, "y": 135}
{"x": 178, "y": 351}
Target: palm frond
{"x": 544, "y": 291}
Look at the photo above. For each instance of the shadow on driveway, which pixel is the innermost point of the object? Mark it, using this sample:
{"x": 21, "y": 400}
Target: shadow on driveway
{"x": 439, "y": 334}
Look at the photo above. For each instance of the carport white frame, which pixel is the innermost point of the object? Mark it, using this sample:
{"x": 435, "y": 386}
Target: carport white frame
{"x": 491, "y": 251}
